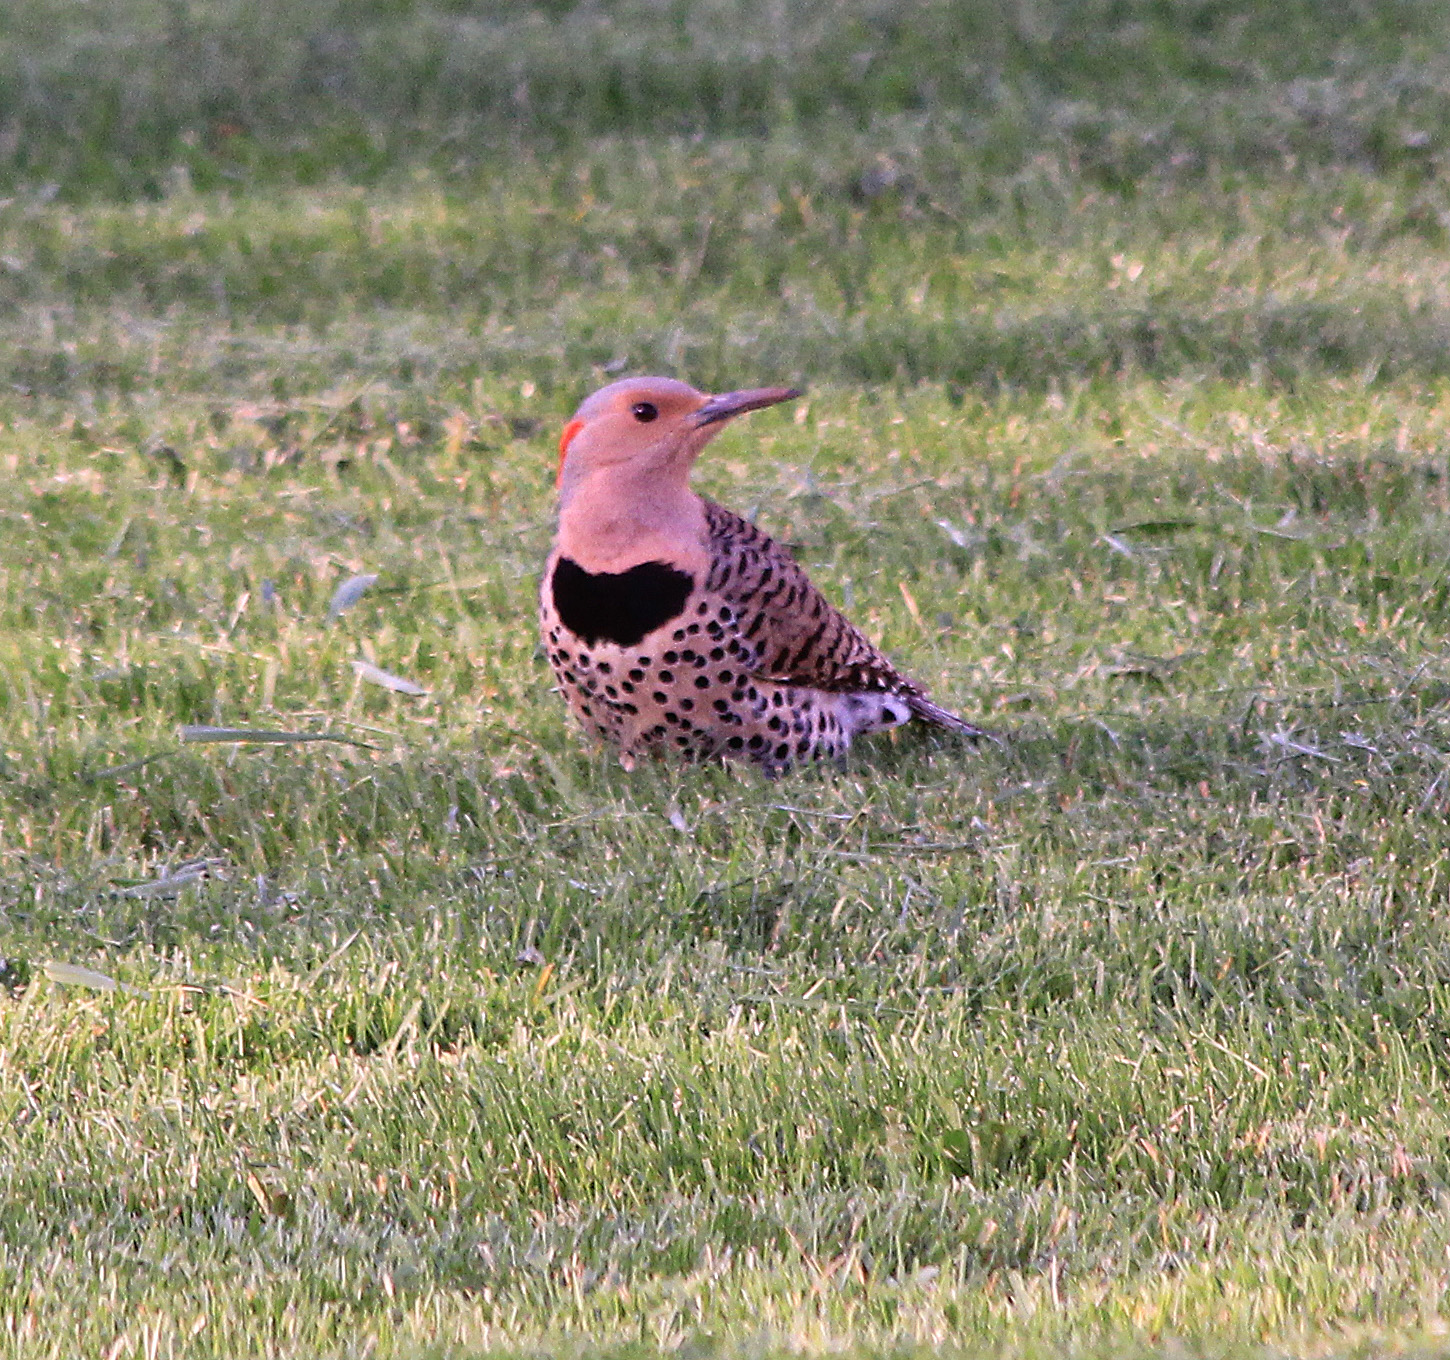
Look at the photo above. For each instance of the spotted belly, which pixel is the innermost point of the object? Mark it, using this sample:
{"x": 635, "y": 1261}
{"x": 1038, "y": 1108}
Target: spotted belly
{"x": 686, "y": 685}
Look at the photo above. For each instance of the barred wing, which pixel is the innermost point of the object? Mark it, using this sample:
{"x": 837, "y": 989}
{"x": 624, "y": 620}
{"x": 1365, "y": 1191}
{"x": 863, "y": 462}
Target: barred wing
{"x": 794, "y": 634}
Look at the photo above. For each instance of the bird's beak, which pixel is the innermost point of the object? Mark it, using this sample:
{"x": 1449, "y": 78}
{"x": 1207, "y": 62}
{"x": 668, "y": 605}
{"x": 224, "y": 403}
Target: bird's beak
{"x": 729, "y": 404}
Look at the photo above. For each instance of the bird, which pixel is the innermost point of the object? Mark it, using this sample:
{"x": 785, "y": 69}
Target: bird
{"x": 674, "y": 625}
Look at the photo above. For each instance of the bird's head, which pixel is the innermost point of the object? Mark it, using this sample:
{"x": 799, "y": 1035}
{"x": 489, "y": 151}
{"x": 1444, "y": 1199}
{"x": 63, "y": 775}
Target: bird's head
{"x": 654, "y": 425}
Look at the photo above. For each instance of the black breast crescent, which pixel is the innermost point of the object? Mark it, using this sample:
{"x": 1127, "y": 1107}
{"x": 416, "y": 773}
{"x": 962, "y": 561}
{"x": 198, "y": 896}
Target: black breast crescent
{"x": 619, "y": 607}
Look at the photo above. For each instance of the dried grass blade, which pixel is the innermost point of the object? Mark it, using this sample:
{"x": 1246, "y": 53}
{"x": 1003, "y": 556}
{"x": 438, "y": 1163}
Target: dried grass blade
{"x": 349, "y": 593}
{"x": 264, "y": 737}
{"x": 397, "y": 683}
{"x": 73, "y": 975}
{"x": 172, "y": 881}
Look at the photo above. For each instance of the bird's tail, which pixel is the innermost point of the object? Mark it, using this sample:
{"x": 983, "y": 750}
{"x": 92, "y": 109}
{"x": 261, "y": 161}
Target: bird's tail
{"x": 927, "y": 711}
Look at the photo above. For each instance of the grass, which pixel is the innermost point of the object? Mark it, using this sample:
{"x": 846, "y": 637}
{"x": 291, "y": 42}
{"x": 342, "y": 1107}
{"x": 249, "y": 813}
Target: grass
{"x": 1126, "y": 430}
{"x": 133, "y": 97}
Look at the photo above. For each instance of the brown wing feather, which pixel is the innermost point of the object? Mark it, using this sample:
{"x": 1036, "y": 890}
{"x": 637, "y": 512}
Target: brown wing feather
{"x": 797, "y": 636}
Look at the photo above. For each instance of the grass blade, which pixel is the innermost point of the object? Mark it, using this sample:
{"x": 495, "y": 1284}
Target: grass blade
{"x": 172, "y": 881}
{"x": 73, "y": 975}
{"x": 130, "y": 767}
{"x": 375, "y": 675}
{"x": 260, "y": 736}
{"x": 348, "y": 594}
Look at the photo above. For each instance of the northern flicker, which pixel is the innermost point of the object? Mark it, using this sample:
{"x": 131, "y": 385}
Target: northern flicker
{"x": 673, "y": 624}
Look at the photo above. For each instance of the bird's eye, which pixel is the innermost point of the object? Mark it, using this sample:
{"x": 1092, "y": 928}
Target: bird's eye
{"x": 644, "y": 411}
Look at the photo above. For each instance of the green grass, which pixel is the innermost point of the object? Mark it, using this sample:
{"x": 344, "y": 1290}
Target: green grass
{"x": 135, "y": 96}
{"x": 1127, "y": 429}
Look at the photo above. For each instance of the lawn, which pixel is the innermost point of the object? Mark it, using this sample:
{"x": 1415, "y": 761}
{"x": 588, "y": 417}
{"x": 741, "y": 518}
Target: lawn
{"x": 352, "y": 1005}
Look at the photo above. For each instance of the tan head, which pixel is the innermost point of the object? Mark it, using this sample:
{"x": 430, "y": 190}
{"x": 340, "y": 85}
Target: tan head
{"x": 653, "y": 426}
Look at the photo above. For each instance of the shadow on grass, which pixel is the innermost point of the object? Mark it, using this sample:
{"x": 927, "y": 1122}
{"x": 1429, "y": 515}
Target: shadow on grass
{"x": 1278, "y": 343}
{"x": 1374, "y": 339}
{"x": 232, "y": 92}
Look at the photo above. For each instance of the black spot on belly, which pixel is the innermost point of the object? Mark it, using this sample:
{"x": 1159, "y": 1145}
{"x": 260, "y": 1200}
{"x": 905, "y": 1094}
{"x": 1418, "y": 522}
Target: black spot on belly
{"x": 619, "y": 607}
